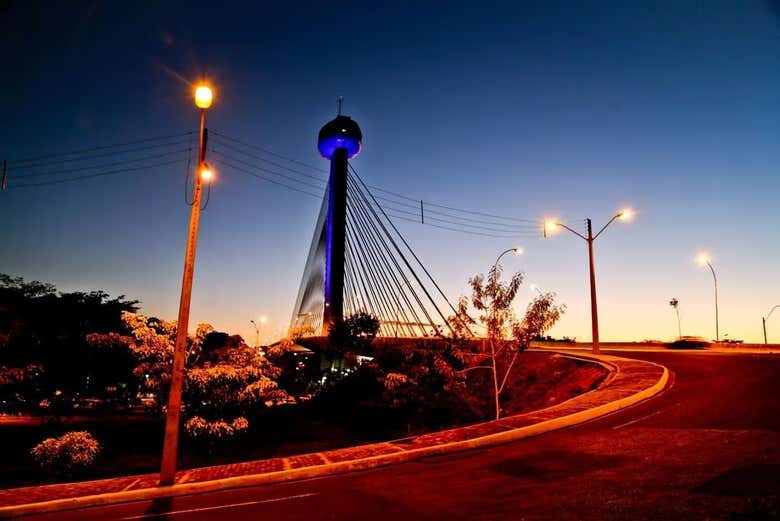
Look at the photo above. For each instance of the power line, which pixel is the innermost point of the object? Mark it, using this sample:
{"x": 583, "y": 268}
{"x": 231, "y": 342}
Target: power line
{"x": 269, "y": 152}
{"x": 104, "y": 154}
{"x": 389, "y": 192}
{"x": 279, "y": 183}
{"x": 260, "y": 158}
{"x": 103, "y": 165}
{"x": 452, "y": 208}
{"x": 308, "y": 184}
{"x": 17, "y": 162}
{"x": 462, "y": 222}
{"x": 100, "y": 174}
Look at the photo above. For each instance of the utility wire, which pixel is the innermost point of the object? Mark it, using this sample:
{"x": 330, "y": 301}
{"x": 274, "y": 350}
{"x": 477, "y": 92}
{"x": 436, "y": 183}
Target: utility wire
{"x": 226, "y": 144}
{"x": 100, "y": 174}
{"x": 100, "y": 166}
{"x": 320, "y": 186}
{"x": 264, "y": 178}
{"x": 269, "y": 152}
{"x": 383, "y": 190}
{"x": 21, "y": 162}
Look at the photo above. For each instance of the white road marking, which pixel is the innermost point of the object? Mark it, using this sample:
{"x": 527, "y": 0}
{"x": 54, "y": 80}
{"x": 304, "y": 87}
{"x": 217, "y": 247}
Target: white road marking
{"x": 616, "y": 427}
{"x": 132, "y": 484}
{"x": 645, "y": 417}
{"x": 218, "y": 507}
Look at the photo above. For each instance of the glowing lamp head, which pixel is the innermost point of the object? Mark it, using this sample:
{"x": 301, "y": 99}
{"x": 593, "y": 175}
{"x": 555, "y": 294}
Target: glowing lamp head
{"x": 703, "y": 259}
{"x": 518, "y": 250}
{"x": 206, "y": 173}
{"x": 626, "y": 214}
{"x": 340, "y": 133}
{"x": 550, "y": 226}
{"x": 203, "y": 97}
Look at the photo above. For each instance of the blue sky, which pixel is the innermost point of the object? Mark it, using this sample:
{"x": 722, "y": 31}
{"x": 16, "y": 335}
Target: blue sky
{"x": 525, "y": 109}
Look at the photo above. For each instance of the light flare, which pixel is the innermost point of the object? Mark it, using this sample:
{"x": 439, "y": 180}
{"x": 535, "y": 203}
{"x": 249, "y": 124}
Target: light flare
{"x": 203, "y": 96}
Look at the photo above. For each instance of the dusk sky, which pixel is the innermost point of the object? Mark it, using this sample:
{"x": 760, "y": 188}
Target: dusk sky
{"x": 521, "y": 109}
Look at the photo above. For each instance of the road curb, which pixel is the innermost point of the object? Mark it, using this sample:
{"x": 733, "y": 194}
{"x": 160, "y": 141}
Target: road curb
{"x": 365, "y": 463}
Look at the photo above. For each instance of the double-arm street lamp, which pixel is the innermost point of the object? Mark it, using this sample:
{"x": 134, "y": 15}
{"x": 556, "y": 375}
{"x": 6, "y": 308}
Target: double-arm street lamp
{"x": 764, "y": 319}
{"x": 704, "y": 260}
{"x": 551, "y": 226}
{"x": 203, "y": 99}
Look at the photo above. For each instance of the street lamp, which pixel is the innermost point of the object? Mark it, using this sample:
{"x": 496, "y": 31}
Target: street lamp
{"x": 764, "y": 319}
{"x": 704, "y": 260}
{"x": 517, "y": 250}
{"x": 551, "y": 226}
{"x": 257, "y": 330}
{"x": 203, "y": 99}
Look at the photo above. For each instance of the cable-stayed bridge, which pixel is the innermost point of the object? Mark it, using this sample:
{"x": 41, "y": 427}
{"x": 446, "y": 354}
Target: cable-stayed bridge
{"x": 358, "y": 260}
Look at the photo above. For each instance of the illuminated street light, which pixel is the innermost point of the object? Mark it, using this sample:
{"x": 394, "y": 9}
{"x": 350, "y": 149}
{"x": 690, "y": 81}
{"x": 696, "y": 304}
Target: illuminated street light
{"x": 517, "y": 250}
{"x": 704, "y": 260}
{"x": 764, "y": 319}
{"x": 203, "y": 99}
{"x": 551, "y": 226}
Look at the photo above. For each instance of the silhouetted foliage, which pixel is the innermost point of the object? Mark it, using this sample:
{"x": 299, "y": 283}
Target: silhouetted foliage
{"x": 44, "y": 333}
{"x": 354, "y": 334}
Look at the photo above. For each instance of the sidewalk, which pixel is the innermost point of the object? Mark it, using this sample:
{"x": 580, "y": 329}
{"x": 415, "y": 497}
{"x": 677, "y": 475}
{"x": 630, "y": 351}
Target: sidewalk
{"x": 629, "y": 382}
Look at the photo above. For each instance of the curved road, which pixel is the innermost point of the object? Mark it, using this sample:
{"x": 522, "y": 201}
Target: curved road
{"x": 707, "y": 448}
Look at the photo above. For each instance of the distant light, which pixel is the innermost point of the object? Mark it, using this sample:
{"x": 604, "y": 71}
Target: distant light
{"x": 263, "y": 319}
{"x": 626, "y": 214}
{"x": 203, "y": 97}
{"x": 206, "y": 173}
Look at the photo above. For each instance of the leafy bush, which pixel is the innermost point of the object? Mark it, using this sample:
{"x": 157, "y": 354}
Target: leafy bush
{"x": 71, "y": 452}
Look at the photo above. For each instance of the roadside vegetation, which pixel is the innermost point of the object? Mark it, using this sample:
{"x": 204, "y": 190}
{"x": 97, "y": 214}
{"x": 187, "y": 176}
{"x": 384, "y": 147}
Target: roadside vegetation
{"x": 92, "y": 388}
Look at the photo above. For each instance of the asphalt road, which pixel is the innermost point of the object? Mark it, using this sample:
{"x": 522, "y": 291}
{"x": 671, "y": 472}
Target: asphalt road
{"x": 707, "y": 448}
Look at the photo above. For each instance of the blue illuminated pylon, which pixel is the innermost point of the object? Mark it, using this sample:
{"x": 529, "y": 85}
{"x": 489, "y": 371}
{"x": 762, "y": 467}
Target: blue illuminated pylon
{"x": 339, "y": 140}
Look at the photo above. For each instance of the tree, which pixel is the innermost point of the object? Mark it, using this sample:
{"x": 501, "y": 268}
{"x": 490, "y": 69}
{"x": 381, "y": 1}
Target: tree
{"x": 228, "y": 381}
{"x": 224, "y": 377}
{"x": 675, "y": 304}
{"x": 355, "y": 333}
{"x": 41, "y": 327}
{"x": 425, "y": 380}
{"x": 506, "y": 336}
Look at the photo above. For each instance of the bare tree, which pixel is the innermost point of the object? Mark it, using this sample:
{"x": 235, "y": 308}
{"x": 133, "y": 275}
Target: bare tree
{"x": 506, "y": 336}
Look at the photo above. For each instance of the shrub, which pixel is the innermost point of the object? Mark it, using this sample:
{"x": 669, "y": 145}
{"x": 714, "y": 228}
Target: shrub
{"x": 211, "y": 431}
{"x": 68, "y": 453}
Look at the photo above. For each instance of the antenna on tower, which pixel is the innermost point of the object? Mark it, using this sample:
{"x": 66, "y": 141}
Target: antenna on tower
{"x": 340, "y": 100}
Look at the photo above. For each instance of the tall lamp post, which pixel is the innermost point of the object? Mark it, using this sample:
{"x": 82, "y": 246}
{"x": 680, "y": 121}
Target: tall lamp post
{"x": 704, "y": 260}
{"x": 764, "y": 319}
{"x": 203, "y": 99}
{"x": 552, "y": 226}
